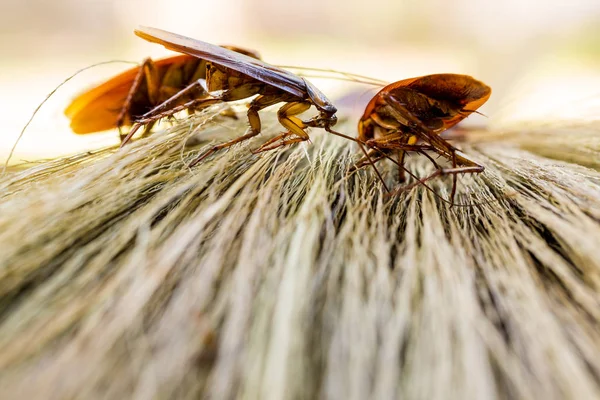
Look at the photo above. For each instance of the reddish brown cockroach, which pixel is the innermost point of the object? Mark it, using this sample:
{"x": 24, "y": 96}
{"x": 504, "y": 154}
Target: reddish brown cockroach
{"x": 123, "y": 99}
{"x": 408, "y": 116}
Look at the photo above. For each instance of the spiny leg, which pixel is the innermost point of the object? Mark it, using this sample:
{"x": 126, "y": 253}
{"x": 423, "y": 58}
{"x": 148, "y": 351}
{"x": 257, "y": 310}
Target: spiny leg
{"x": 440, "y": 145}
{"x": 200, "y": 103}
{"x": 171, "y": 100}
{"x": 470, "y": 167}
{"x": 454, "y": 178}
{"x": 171, "y": 93}
{"x": 236, "y": 93}
{"x": 294, "y": 125}
{"x": 367, "y": 160}
{"x": 148, "y": 128}
{"x": 156, "y": 90}
{"x": 449, "y": 151}
{"x": 401, "y": 155}
{"x": 393, "y": 134}
{"x": 364, "y": 161}
{"x": 255, "y": 126}
{"x": 441, "y": 172}
{"x": 400, "y": 163}
{"x": 393, "y": 127}
{"x": 419, "y": 148}
{"x": 149, "y": 71}
{"x": 392, "y": 140}
{"x": 401, "y": 166}
{"x": 467, "y": 165}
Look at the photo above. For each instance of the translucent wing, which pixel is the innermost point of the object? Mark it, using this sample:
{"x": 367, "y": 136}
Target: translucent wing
{"x": 255, "y": 68}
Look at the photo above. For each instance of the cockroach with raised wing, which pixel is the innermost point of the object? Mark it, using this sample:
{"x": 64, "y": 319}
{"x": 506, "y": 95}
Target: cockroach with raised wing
{"x": 123, "y": 99}
{"x": 408, "y": 116}
{"x": 232, "y": 76}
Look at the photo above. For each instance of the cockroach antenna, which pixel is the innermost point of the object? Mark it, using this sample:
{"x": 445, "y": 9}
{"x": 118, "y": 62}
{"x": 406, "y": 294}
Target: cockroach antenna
{"x": 48, "y": 96}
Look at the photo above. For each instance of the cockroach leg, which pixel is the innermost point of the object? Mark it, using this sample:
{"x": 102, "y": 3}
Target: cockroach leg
{"x": 441, "y": 172}
{"x": 199, "y": 103}
{"x": 238, "y": 77}
{"x": 259, "y": 103}
{"x": 148, "y": 71}
{"x": 454, "y": 177}
{"x": 255, "y": 126}
{"x": 466, "y": 165}
{"x": 218, "y": 147}
{"x": 438, "y": 145}
{"x": 364, "y": 161}
{"x": 295, "y": 126}
{"x": 401, "y": 174}
{"x": 399, "y": 111}
{"x": 169, "y": 102}
{"x": 469, "y": 167}
{"x": 409, "y": 116}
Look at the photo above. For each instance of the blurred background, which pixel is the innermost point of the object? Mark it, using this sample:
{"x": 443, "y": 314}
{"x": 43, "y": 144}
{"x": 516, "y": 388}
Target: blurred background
{"x": 541, "y": 57}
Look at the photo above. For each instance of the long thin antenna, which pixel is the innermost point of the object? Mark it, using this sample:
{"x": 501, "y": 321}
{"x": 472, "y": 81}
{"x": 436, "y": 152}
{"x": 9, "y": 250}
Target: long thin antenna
{"x": 12, "y": 150}
{"x": 348, "y": 76}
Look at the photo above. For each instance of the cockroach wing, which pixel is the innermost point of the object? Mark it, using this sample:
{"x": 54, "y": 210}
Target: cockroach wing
{"x": 464, "y": 92}
{"x": 252, "y": 67}
{"x": 98, "y": 109}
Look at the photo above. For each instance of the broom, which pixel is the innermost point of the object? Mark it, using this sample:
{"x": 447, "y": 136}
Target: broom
{"x": 125, "y": 274}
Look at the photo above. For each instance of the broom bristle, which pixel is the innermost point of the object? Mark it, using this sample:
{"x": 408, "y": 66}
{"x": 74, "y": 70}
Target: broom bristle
{"x": 124, "y": 274}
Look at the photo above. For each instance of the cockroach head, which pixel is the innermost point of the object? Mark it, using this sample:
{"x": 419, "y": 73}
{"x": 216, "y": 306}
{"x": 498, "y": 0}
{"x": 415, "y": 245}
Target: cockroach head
{"x": 323, "y": 120}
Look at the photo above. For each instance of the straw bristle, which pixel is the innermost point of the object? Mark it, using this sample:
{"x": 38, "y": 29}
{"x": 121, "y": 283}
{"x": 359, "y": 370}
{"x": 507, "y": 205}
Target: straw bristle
{"x": 126, "y": 275}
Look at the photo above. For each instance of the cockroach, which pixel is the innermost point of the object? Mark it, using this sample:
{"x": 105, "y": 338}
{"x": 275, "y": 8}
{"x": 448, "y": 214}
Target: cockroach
{"x": 123, "y": 99}
{"x": 408, "y": 116}
{"x": 232, "y": 76}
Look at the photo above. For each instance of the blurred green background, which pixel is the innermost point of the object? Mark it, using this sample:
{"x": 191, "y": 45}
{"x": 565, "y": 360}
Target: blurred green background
{"x": 542, "y": 58}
